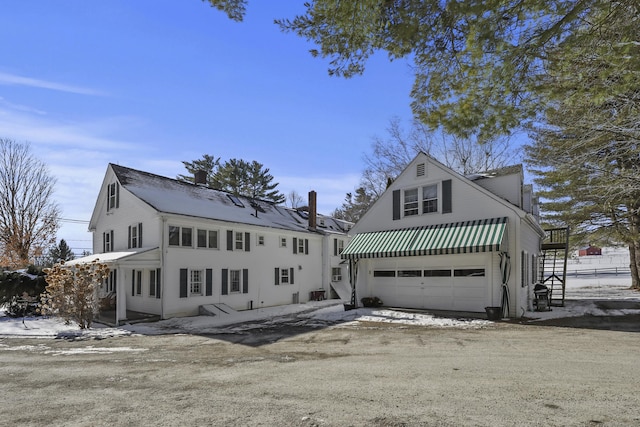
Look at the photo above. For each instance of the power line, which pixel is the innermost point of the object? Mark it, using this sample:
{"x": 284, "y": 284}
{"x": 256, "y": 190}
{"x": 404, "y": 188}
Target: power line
{"x": 74, "y": 221}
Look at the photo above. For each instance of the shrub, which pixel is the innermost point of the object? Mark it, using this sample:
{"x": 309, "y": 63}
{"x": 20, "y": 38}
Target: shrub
{"x": 72, "y": 291}
{"x": 20, "y": 291}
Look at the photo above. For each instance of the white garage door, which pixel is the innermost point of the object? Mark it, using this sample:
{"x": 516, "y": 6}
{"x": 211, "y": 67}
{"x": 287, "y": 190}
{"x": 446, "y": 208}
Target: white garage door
{"x": 459, "y": 283}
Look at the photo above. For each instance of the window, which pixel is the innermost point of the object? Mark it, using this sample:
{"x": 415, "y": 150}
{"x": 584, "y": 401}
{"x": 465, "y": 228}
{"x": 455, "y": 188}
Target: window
{"x": 409, "y": 273}
{"x": 195, "y": 282}
{"x": 430, "y": 199}
{"x": 283, "y": 242}
{"x": 186, "y": 236}
{"x": 111, "y": 282}
{"x": 136, "y": 282}
{"x": 300, "y": 246}
{"x": 234, "y": 281}
{"x": 113, "y": 196}
{"x": 239, "y": 240}
{"x": 468, "y": 272}
{"x": 284, "y": 276}
{"x": 207, "y": 239}
{"x": 411, "y": 202}
{"x": 153, "y": 283}
{"x": 384, "y": 273}
{"x": 437, "y": 273}
{"x": 338, "y": 246}
{"x": 235, "y": 200}
{"x": 107, "y": 241}
{"x": 336, "y": 274}
{"x": 180, "y": 236}
{"x": 135, "y": 236}
{"x": 260, "y": 240}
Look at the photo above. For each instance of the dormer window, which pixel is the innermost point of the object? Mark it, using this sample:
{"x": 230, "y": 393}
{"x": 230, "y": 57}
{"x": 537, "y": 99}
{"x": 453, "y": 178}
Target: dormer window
{"x": 113, "y": 196}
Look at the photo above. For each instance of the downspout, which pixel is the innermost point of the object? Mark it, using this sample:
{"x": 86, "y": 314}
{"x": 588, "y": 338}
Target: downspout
{"x": 162, "y": 269}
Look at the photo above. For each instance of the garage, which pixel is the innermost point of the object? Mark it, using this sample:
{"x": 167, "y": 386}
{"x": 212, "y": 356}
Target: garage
{"x": 447, "y": 283}
{"x": 441, "y": 267}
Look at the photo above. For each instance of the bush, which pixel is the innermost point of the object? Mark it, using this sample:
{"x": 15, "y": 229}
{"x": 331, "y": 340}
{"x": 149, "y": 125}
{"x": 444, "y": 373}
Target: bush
{"x": 20, "y": 291}
{"x": 72, "y": 291}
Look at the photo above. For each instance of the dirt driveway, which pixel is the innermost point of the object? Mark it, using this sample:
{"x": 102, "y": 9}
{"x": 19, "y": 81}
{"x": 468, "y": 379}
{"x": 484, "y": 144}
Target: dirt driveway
{"x": 358, "y": 374}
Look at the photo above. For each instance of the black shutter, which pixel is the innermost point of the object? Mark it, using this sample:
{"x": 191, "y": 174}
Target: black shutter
{"x": 277, "y": 282}
{"x": 133, "y": 283}
{"x": 129, "y": 238}
{"x": 140, "y": 235}
{"x": 104, "y": 242}
{"x": 108, "y": 192}
{"x": 295, "y": 245}
{"x": 446, "y": 196}
{"x": 247, "y": 243}
{"x": 245, "y": 281}
{"x": 209, "y": 273}
{"x": 183, "y": 283}
{"x": 158, "y": 287}
{"x": 306, "y": 246}
{"x": 111, "y": 241}
{"x": 117, "y": 195}
{"x": 396, "y": 204}
{"x": 229, "y": 240}
{"x": 225, "y": 281}
{"x": 335, "y": 247}
{"x": 291, "y": 276}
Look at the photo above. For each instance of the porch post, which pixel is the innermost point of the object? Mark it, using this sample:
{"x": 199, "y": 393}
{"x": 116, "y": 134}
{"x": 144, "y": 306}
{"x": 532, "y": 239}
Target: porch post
{"x": 121, "y": 296}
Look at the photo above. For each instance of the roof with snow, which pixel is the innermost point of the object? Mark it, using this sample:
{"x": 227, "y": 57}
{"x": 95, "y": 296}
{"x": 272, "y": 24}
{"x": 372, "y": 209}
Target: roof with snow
{"x": 507, "y": 170}
{"x": 171, "y": 196}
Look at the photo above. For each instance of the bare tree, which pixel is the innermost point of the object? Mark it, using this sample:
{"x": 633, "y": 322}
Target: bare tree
{"x": 294, "y": 199}
{"x": 391, "y": 155}
{"x": 29, "y": 217}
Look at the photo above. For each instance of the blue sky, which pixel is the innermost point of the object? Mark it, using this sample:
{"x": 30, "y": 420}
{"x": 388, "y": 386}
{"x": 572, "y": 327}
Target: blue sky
{"x": 149, "y": 83}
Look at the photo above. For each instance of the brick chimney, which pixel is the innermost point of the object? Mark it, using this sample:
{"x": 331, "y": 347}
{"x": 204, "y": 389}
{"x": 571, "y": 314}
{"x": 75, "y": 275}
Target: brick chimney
{"x": 200, "y": 177}
{"x": 313, "y": 210}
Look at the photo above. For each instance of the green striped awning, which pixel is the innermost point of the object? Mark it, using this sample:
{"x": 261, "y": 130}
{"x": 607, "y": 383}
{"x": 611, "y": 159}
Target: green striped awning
{"x": 483, "y": 235}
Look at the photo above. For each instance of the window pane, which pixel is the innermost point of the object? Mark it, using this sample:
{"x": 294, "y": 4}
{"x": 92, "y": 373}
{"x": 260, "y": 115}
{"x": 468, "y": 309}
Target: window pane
{"x": 284, "y": 275}
{"x": 152, "y": 283}
{"x": 430, "y": 199}
{"x": 186, "y": 236}
{"x": 384, "y": 273}
{"x": 196, "y": 282}
{"x": 213, "y": 239}
{"x": 437, "y": 273}
{"x": 411, "y": 202}
{"x": 174, "y": 236}
{"x": 409, "y": 273}
{"x": 202, "y": 238}
{"x": 469, "y": 272}
{"x": 239, "y": 240}
{"x": 234, "y": 278}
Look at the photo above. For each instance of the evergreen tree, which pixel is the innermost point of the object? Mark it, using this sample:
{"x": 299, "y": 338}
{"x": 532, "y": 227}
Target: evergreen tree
{"x": 475, "y": 62}
{"x": 207, "y": 163}
{"x": 249, "y": 179}
{"x": 59, "y": 253}
{"x": 354, "y": 207}
{"x": 586, "y": 155}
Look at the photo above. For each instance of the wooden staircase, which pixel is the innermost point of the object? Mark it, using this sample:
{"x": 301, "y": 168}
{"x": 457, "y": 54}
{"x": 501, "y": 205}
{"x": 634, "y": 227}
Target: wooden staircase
{"x": 553, "y": 264}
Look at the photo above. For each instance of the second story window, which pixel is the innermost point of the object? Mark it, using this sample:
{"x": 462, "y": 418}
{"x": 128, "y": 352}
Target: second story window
{"x": 411, "y": 202}
{"x": 107, "y": 241}
{"x": 135, "y": 236}
{"x": 430, "y": 199}
{"x": 180, "y": 236}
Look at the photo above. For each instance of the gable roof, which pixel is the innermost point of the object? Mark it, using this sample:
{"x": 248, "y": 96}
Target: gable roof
{"x": 167, "y": 195}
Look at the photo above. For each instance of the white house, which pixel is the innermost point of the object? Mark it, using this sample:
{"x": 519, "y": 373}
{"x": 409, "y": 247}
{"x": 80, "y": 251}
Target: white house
{"x": 174, "y": 248}
{"x": 438, "y": 240}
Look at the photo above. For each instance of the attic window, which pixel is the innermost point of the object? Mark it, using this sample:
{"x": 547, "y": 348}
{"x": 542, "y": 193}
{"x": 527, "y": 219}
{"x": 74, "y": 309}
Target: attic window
{"x": 420, "y": 169}
{"x": 235, "y": 200}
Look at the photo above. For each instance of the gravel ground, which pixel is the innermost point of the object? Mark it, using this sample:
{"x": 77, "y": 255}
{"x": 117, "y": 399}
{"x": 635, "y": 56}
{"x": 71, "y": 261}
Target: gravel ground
{"x": 355, "y": 374}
